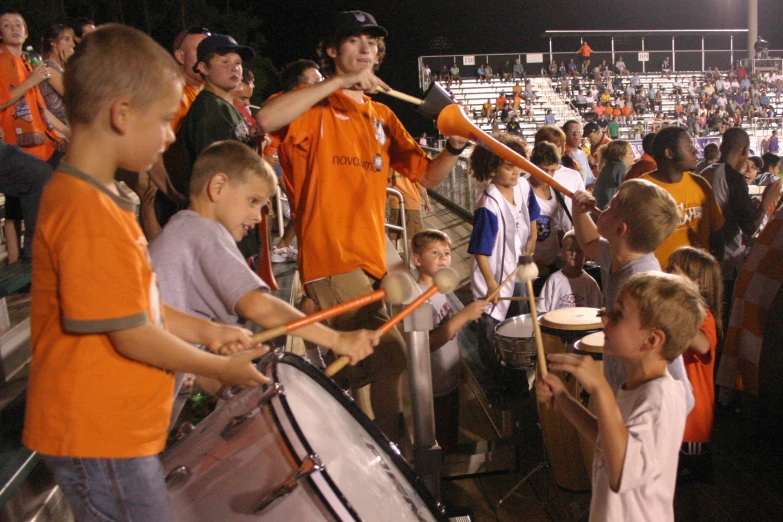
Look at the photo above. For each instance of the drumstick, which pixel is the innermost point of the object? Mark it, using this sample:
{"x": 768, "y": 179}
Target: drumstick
{"x": 528, "y": 271}
{"x": 519, "y": 275}
{"x": 446, "y": 281}
{"x": 517, "y": 298}
{"x": 395, "y": 287}
{"x": 402, "y": 96}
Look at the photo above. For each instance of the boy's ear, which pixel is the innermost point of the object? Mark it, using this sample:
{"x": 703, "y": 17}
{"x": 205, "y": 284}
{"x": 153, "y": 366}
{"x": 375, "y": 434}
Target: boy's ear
{"x": 331, "y": 52}
{"x": 179, "y": 55}
{"x": 416, "y": 260}
{"x": 119, "y": 114}
{"x": 216, "y": 185}
{"x": 202, "y": 68}
{"x": 655, "y": 340}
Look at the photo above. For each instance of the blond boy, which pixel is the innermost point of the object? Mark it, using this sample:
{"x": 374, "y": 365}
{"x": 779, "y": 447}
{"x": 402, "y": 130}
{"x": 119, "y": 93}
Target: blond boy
{"x": 431, "y": 252}
{"x": 104, "y": 345}
{"x": 637, "y": 220}
{"x": 200, "y": 267}
{"x": 638, "y": 432}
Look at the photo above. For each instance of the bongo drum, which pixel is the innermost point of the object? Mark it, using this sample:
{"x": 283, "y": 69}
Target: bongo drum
{"x": 294, "y": 449}
{"x": 592, "y": 345}
{"x": 559, "y": 330}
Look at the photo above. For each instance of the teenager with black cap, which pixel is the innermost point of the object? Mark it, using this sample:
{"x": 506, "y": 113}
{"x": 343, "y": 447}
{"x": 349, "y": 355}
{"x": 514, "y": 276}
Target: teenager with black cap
{"x": 342, "y": 145}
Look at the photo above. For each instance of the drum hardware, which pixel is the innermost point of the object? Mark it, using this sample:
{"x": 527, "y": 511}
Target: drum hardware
{"x": 274, "y": 390}
{"x": 180, "y": 434}
{"x": 310, "y": 465}
{"x": 177, "y": 476}
{"x": 226, "y": 392}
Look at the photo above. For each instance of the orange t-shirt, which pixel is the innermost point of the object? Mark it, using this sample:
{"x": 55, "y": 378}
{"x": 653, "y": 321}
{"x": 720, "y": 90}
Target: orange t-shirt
{"x": 189, "y": 94}
{"x": 701, "y": 371}
{"x": 274, "y": 136}
{"x": 92, "y": 276}
{"x": 338, "y": 158}
{"x": 409, "y": 190}
{"x": 627, "y": 110}
{"x": 585, "y": 50}
{"x": 35, "y": 103}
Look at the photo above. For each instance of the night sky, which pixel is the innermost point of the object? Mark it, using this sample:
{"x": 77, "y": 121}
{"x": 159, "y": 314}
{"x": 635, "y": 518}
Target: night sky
{"x": 427, "y": 27}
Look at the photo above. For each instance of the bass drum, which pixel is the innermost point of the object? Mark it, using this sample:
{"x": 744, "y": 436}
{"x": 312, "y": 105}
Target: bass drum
{"x": 295, "y": 449}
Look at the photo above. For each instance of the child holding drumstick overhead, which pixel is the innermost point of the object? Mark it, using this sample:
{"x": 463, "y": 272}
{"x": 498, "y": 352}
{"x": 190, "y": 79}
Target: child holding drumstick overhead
{"x": 504, "y": 228}
{"x": 638, "y": 432}
{"x": 705, "y": 271}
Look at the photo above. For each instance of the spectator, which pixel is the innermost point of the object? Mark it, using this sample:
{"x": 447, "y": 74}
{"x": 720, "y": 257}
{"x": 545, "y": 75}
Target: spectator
{"x": 82, "y": 27}
{"x": 770, "y": 170}
{"x": 500, "y": 102}
{"x": 619, "y": 66}
{"x": 772, "y": 144}
{"x": 454, "y": 74}
{"x": 699, "y": 214}
{"x": 573, "y": 133}
{"x": 666, "y": 66}
{"x": 517, "y": 89}
{"x": 57, "y": 46}
{"x": 645, "y": 163}
{"x": 24, "y": 119}
{"x": 482, "y": 75}
{"x": 490, "y": 74}
{"x": 595, "y": 139}
{"x": 423, "y": 140}
{"x": 617, "y": 156}
{"x": 711, "y": 152}
{"x": 486, "y": 109}
{"x": 584, "y": 52}
{"x": 519, "y": 70}
{"x": 507, "y": 71}
{"x": 614, "y": 125}
{"x": 513, "y": 127}
{"x": 566, "y": 175}
{"x": 549, "y": 118}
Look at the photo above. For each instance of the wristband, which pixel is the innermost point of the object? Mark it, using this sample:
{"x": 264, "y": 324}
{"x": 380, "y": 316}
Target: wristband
{"x": 452, "y": 150}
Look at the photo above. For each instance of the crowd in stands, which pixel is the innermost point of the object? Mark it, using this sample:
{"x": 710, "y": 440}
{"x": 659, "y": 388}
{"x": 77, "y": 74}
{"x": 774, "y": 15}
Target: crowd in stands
{"x": 201, "y": 200}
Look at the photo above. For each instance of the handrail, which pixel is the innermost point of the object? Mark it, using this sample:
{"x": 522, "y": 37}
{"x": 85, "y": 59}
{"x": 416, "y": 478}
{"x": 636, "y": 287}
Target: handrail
{"x": 403, "y": 228}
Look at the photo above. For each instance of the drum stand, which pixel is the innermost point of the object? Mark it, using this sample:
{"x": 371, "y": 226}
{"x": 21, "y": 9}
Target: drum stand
{"x": 545, "y": 467}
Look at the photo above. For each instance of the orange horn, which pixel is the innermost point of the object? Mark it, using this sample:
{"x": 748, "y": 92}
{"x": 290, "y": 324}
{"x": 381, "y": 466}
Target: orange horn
{"x": 453, "y": 122}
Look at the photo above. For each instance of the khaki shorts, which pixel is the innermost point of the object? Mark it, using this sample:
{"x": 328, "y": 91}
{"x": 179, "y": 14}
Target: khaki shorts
{"x": 413, "y": 223}
{"x": 388, "y": 358}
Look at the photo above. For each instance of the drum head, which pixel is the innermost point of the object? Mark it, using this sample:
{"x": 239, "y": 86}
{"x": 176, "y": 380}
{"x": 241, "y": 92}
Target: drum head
{"x": 592, "y": 344}
{"x": 579, "y": 318}
{"x": 364, "y": 472}
{"x": 516, "y": 327}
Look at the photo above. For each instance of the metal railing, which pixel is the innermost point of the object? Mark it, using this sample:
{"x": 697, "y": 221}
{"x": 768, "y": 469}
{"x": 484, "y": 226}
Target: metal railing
{"x": 458, "y": 187}
{"x": 403, "y": 229}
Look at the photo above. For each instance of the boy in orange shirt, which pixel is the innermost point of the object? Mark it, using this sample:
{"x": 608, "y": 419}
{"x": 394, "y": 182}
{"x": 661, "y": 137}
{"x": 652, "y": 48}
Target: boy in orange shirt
{"x": 101, "y": 379}
{"x": 341, "y": 145}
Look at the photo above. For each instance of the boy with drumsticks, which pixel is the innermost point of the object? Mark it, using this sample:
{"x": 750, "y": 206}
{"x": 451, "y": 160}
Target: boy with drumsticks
{"x": 638, "y": 432}
{"x": 201, "y": 269}
{"x": 638, "y": 219}
{"x": 432, "y": 252}
{"x": 104, "y": 344}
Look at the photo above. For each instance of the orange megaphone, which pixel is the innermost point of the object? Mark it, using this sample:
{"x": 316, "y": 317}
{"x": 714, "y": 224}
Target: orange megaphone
{"x": 453, "y": 122}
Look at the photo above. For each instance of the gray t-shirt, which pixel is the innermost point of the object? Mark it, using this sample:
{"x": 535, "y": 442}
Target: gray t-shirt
{"x": 200, "y": 268}
{"x": 614, "y": 371}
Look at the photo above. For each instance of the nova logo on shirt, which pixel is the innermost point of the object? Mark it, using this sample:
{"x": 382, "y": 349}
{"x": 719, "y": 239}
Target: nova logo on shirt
{"x": 687, "y": 215}
{"x": 354, "y": 162}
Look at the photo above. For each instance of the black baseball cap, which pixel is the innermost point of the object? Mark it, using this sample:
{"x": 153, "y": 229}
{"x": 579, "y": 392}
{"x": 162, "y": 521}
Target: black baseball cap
{"x": 222, "y": 44}
{"x": 590, "y": 128}
{"x": 351, "y": 23}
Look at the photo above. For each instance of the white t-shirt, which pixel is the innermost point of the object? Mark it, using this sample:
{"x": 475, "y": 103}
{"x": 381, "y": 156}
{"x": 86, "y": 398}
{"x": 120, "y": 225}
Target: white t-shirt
{"x": 570, "y": 179}
{"x": 564, "y": 292}
{"x": 654, "y": 414}
{"x": 445, "y": 361}
{"x": 551, "y": 220}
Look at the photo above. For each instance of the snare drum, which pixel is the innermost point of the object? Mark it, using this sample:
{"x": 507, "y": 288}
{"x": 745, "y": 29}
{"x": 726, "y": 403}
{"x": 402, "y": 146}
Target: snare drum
{"x": 515, "y": 344}
{"x": 559, "y": 329}
{"x": 296, "y": 449}
{"x": 592, "y": 345}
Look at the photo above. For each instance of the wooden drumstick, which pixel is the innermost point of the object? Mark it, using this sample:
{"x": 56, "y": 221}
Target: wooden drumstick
{"x": 518, "y": 273}
{"x": 402, "y": 96}
{"x": 528, "y": 271}
{"x": 396, "y": 287}
{"x": 446, "y": 281}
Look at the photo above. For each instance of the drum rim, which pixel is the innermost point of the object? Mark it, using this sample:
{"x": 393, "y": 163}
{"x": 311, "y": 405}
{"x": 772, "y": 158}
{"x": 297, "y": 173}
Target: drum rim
{"x": 509, "y": 320}
{"x": 558, "y": 327}
{"x": 377, "y": 435}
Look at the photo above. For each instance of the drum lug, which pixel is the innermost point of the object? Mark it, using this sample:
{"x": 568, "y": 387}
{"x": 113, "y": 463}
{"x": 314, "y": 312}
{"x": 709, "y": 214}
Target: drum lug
{"x": 226, "y": 393}
{"x": 177, "y": 476}
{"x": 228, "y": 430}
{"x": 310, "y": 465}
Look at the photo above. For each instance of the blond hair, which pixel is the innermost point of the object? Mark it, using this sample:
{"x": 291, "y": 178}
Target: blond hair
{"x": 569, "y": 238}
{"x": 649, "y": 211}
{"x": 704, "y": 270}
{"x": 426, "y": 237}
{"x": 113, "y": 61}
{"x": 670, "y": 303}
{"x": 234, "y": 159}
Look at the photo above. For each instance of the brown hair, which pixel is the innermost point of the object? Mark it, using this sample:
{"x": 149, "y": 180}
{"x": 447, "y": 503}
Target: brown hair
{"x": 553, "y": 135}
{"x": 703, "y": 269}
{"x": 615, "y": 150}
{"x": 669, "y": 303}
{"x": 544, "y": 153}
{"x": 484, "y": 162}
{"x": 116, "y": 60}
{"x": 234, "y": 159}
{"x": 426, "y": 237}
{"x": 327, "y": 62}
{"x": 649, "y": 211}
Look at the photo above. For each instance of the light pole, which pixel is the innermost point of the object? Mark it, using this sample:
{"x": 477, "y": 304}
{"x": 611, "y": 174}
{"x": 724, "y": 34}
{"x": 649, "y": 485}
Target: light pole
{"x": 753, "y": 26}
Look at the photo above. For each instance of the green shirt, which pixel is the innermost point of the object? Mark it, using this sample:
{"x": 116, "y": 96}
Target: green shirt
{"x": 613, "y": 128}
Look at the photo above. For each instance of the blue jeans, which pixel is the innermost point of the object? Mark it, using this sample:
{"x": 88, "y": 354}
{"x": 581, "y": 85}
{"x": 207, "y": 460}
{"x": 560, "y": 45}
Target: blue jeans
{"x": 113, "y": 490}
